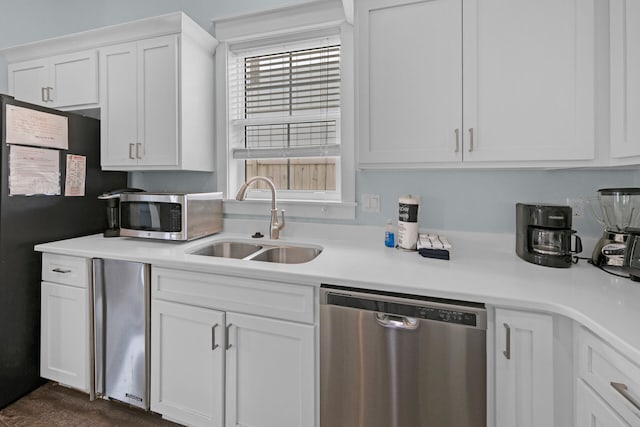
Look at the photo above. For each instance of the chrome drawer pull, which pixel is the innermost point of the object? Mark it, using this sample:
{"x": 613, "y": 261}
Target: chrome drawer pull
{"x": 470, "y": 140}
{"x": 507, "y": 351}
{"x": 624, "y": 391}
{"x": 457, "y": 140}
{"x": 61, "y": 270}
{"x": 227, "y": 343}
{"x": 213, "y": 337}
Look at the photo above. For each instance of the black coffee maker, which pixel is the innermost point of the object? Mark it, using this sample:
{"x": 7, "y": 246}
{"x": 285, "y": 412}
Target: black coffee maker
{"x": 544, "y": 235}
{"x": 113, "y": 210}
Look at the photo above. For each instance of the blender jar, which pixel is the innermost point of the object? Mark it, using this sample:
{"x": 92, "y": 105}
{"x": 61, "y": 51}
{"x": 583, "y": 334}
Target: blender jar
{"x": 620, "y": 208}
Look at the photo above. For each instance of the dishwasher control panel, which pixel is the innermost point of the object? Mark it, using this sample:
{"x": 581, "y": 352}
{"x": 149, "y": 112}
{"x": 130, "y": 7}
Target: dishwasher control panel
{"x": 436, "y": 312}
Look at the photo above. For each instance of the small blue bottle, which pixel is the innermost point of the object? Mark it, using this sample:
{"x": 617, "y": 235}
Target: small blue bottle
{"x": 389, "y": 235}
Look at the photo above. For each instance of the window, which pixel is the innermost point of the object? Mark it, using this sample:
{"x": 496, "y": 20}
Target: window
{"x": 284, "y": 111}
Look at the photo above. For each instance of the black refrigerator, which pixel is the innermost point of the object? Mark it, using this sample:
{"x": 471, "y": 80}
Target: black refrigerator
{"x": 27, "y": 220}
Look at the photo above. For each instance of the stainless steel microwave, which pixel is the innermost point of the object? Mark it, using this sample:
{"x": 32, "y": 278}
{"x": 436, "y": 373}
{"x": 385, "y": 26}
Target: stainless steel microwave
{"x": 170, "y": 216}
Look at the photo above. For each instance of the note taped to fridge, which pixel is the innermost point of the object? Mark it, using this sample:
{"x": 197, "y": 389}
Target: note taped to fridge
{"x": 76, "y": 175}
{"x": 32, "y": 127}
{"x": 33, "y": 171}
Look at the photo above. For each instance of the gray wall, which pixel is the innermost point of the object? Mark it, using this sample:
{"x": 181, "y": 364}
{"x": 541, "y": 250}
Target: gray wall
{"x": 450, "y": 199}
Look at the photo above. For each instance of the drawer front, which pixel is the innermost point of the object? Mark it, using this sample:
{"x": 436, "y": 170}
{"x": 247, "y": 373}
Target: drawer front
{"x": 69, "y": 270}
{"x": 229, "y": 293}
{"x": 615, "y": 378}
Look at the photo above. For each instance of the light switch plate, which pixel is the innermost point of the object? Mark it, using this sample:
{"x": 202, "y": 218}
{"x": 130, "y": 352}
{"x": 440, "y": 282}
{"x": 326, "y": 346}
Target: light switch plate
{"x": 370, "y": 203}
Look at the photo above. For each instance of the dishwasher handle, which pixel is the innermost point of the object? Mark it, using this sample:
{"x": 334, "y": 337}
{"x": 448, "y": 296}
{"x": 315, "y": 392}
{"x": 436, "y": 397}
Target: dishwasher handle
{"x": 396, "y": 322}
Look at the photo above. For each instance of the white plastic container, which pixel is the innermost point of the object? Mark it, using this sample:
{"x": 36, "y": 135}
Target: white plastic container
{"x": 408, "y": 222}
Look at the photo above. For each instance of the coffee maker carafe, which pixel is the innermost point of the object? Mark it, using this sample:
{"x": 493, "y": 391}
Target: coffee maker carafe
{"x": 544, "y": 235}
{"x": 620, "y": 212}
{"x": 113, "y": 210}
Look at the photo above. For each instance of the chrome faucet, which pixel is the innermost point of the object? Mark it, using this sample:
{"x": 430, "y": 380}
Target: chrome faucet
{"x": 275, "y": 227}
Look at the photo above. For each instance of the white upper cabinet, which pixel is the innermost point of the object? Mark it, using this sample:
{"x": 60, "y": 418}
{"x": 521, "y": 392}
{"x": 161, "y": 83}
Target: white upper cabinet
{"x": 625, "y": 77}
{"x": 140, "y": 103}
{"x": 68, "y": 81}
{"x": 529, "y": 80}
{"x": 410, "y": 81}
{"x": 497, "y": 81}
{"x": 152, "y": 80}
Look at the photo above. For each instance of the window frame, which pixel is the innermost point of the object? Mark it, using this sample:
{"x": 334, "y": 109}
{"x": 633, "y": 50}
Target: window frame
{"x": 269, "y": 28}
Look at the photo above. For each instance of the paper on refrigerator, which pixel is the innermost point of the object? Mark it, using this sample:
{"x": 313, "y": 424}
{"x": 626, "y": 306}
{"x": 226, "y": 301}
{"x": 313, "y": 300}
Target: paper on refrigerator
{"x": 33, "y": 171}
{"x": 32, "y": 127}
{"x": 76, "y": 173}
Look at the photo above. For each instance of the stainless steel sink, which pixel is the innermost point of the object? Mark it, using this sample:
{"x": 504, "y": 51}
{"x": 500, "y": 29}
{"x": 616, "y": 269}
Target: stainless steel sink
{"x": 287, "y": 254}
{"x": 281, "y": 254}
{"x": 228, "y": 250}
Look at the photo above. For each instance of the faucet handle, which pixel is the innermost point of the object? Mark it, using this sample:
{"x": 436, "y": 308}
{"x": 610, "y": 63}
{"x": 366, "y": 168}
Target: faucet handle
{"x": 281, "y": 224}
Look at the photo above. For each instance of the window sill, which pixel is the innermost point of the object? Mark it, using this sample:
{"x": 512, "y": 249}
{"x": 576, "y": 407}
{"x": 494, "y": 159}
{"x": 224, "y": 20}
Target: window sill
{"x": 294, "y": 209}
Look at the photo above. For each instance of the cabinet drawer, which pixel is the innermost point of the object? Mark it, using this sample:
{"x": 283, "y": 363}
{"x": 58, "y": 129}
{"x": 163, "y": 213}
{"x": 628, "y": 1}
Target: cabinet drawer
{"x": 69, "y": 270}
{"x": 611, "y": 375}
{"x": 228, "y": 293}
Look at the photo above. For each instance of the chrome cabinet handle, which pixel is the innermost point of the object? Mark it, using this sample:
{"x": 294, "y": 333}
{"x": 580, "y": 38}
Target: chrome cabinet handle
{"x": 507, "y": 351}
{"x": 131, "y": 152}
{"x": 624, "y": 391}
{"x": 470, "y": 139}
{"x": 49, "y": 98}
{"x": 457, "y": 140}
{"x": 61, "y": 270}
{"x": 227, "y": 344}
{"x": 44, "y": 98}
{"x": 213, "y": 337}
{"x": 138, "y": 145}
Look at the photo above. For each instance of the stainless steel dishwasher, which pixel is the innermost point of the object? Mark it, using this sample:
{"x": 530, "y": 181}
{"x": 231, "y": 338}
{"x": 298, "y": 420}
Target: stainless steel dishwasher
{"x": 396, "y": 360}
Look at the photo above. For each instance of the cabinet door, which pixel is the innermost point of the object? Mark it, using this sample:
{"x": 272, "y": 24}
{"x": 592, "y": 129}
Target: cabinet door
{"x": 270, "y": 373}
{"x": 118, "y": 113}
{"x": 410, "y": 83}
{"x": 64, "y": 352}
{"x": 28, "y": 81}
{"x": 528, "y": 80}
{"x": 625, "y": 77}
{"x": 592, "y": 411}
{"x": 524, "y": 369}
{"x": 158, "y": 101}
{"x": 73, "y": 79}
{"x": 187, "y": 363}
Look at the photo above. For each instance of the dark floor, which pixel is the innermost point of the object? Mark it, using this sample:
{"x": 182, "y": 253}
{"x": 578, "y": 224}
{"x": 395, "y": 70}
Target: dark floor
{"x": 54, "y": 405}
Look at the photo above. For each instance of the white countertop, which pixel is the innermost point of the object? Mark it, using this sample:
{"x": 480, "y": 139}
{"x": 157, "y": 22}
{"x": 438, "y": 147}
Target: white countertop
{"x": 483, "y": 268}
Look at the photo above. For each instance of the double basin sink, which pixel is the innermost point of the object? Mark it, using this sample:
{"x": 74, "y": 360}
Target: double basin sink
{"x": 281, "y": 254}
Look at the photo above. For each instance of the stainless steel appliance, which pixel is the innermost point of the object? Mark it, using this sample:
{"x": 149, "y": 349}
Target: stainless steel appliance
{"x": 175, "y": 216}
{"x": 395, "y": 360}
{"x": 632, "y": 254}
{"x": 544, "y": 235}
{"x": 29, "y": 220}
{"x": 619, "y": 211}
{"x": 121, "y": 331}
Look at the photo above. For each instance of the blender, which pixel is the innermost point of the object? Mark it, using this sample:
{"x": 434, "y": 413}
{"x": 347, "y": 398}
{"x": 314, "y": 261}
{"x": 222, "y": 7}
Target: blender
{"x": 620, "y": 209}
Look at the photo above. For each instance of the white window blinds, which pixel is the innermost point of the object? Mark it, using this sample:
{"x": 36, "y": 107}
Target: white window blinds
{"x": 284, "y": 101}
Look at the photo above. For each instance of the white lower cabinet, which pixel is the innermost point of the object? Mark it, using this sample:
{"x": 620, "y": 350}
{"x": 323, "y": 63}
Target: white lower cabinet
{"x": 270, "y": 373}
{"x": 593, "y": 411}
{"x": 187, "y": 363}
{"x": 64, "y": 333}
{"x": 213, "y": 365}
{"x": 608, "y": 384}
{"x": 524, "y": 369}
